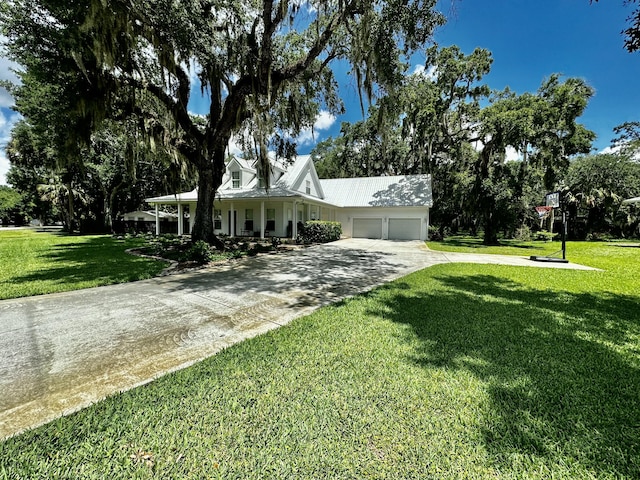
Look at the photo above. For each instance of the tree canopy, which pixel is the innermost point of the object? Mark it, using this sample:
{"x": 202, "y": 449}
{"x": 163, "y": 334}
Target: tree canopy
{"x": 632, "y": 32}
{"x": 265, "y": 66}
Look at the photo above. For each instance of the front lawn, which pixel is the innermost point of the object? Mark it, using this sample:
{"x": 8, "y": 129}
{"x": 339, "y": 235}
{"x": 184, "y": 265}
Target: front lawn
{"x": 34, "y": 263}
{"x": 456, "y": 371}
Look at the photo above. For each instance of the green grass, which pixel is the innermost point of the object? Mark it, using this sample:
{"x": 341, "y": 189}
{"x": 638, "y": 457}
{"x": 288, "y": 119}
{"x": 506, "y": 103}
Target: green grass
{"x": 35, "y": 263}
{"x": 457, "y": 371}
{"x": 468, "y": 244}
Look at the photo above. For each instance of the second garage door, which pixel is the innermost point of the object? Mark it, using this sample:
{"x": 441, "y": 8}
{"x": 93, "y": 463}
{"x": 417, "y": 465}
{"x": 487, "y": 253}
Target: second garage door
{"x": 367, "y": 228}
{"x": 404, "y": 229}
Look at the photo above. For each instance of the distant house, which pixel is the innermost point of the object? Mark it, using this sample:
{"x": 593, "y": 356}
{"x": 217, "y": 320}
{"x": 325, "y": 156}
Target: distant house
{"x": 389, "y": 207}
{"x": 145, "y": 221}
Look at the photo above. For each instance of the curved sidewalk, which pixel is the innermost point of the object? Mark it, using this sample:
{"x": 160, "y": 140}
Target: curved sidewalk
{"x": 62, "y": 352}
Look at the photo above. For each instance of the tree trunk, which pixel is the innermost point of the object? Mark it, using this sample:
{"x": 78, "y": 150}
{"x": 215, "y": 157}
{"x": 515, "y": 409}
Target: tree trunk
{"x": 70, "y": 210}
{"x": 490, "y": 231}
{"x": 109, "y": 202}
{"x": 209, "y": 180}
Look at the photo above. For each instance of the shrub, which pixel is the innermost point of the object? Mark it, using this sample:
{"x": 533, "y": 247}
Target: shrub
{"x": 317, "y": 231}
{"x": 600, "y": 237}
{"x": 199, "y": 252}
{"x": 523, "y": 234}
{"x": 545, "y": 236}
{"x": 438, "y": 234}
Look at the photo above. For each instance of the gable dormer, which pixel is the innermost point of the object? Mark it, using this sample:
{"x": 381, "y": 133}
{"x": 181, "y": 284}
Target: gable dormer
{"x": 239, "y": 174}
{"x": 305, "y": 180}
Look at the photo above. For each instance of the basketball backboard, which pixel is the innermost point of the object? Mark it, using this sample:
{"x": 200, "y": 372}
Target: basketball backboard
{"x": 553, "y": 199}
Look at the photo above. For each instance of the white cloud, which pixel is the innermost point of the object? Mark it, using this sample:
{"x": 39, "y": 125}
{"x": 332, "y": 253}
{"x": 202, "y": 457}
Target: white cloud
{"x": 7, "y": 120}
{"x": 7, "y": 72}
{"x": 324, "y": 121}
{"x": 4, "y": 167}
{"x": 234, "y": 148}
{"x": 430, "y": 73}
{"x": 510, "y": 152}
{"x": 616, "y": 149}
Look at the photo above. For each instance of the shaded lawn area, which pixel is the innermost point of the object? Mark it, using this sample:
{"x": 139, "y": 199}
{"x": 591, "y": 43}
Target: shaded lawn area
{"x": 457, "y": 371}
{"x": 468, "y": 244}
{"x": 35, "y": 263}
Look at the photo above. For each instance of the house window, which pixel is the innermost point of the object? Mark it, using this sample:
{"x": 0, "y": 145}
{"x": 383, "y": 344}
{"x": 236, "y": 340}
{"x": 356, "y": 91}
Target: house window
{"x": 308, "y": 187}
{"x": 271, "y": 221}
{"x": 271, "y": 214}
{"x": 248, "y": 222}
{"x": 217, "y": 219}
{"x": 235, "y": 179}
{"x": 262, "y": 179}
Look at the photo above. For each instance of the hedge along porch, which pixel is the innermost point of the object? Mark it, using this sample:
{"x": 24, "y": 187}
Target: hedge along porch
{"x": 392, "y": 207}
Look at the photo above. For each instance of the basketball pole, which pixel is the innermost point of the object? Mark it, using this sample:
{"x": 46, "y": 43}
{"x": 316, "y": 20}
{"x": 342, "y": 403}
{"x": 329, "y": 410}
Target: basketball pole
{"x": 554, "y": 201}
{"x": 564, "y": 227}
{"x": 564, "y": 235}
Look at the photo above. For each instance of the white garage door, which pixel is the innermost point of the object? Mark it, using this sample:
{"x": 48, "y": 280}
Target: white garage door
{"x": 367, "y": 228}
{"x": 404, "y": 229}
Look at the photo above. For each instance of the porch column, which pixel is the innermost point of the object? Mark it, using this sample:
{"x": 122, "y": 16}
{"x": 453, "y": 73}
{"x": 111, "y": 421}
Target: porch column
{"x": 180, "y": 219}
{"x": 262, "y": 225}
{"x": 192, "y": 215}
{"x": 232, "y": 228}
{"x": 308, "y": 212}
{"x": 157, "y": 220}
{"x": 294, "y": 226}
{"x": 285, "y": 218}
{"x": 427, "y": 222}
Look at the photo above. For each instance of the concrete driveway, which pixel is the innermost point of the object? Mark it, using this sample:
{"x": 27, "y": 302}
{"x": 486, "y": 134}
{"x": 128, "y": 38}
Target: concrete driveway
{"x": 62, "y": 352}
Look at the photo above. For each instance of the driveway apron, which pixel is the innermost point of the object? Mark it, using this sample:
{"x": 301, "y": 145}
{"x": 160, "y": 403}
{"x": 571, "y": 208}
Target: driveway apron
{"x": 62, "y": 352}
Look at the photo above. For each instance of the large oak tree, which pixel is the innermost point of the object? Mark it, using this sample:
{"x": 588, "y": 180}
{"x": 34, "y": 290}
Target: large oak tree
{"x": 264, "y": 66}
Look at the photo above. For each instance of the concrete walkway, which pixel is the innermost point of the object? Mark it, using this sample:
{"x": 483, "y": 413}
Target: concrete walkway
{"x": 62, "y": 352}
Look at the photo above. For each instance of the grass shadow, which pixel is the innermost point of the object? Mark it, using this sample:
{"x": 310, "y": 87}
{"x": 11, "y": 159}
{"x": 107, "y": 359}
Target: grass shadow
{"x": 562, "y": 372}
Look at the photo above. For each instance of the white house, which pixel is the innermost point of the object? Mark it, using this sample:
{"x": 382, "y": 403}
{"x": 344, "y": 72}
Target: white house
{"x": 393, "y": 207}
{"x": 149, "y": 216}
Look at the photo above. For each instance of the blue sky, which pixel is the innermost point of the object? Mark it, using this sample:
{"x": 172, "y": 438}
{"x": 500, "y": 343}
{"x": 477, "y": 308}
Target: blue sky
{"x": 529, "y": 40}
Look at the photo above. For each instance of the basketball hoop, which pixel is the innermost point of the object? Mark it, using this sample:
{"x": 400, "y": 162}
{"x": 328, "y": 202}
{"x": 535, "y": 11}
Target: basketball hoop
{"x": 543, "y": 211}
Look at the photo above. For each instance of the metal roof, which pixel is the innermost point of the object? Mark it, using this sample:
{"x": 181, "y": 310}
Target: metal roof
{"x": 393, "y": 191}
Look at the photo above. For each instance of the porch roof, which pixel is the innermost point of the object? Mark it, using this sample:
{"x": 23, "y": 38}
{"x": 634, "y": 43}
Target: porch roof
{"x": 274, "y": 193}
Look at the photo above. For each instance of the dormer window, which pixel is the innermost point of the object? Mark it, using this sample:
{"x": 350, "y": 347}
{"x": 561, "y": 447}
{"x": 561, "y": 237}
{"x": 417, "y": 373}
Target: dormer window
{"x": 260, "y": 182}
{"x": 235, "y": 179}
{"x": 308, "y": 187}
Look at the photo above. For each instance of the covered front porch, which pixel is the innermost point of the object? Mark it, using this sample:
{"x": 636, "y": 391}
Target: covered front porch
{"x": 242, "y": 217}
